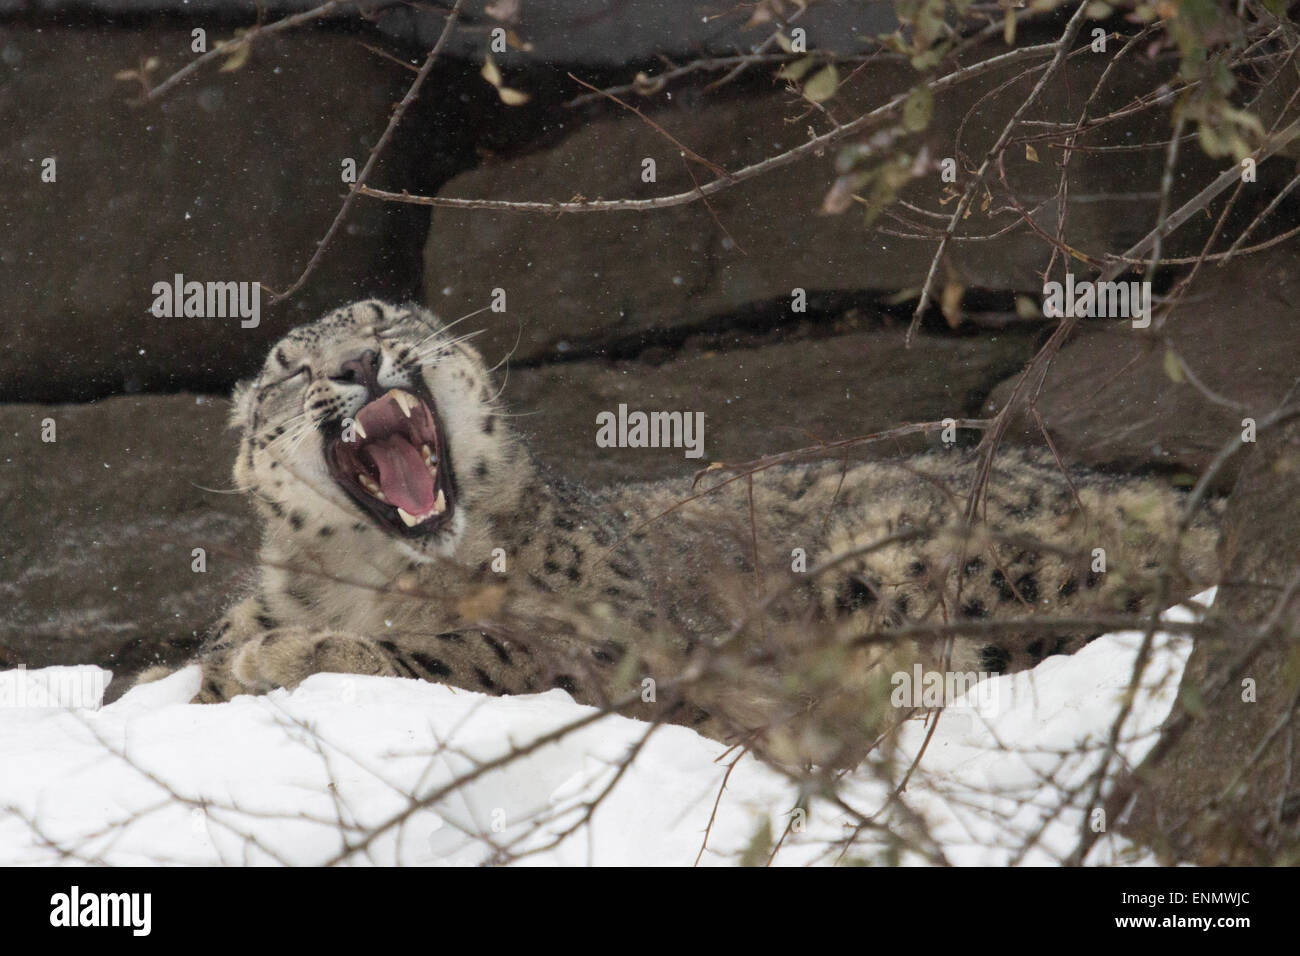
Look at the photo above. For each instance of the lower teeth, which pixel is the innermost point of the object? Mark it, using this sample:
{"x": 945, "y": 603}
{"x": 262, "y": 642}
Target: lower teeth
{"x": 410, "y": 520}
{"x": 371, "y": 486}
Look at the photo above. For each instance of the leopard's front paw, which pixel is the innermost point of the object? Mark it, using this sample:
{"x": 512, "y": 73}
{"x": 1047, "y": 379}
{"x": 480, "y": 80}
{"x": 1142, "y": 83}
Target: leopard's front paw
{"x": 285, "y": 657}
{"x": 151, "y": 674}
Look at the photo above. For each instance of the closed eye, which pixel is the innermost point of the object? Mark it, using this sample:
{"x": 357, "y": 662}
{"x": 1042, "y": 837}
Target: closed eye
{"x": 302, "y": 369}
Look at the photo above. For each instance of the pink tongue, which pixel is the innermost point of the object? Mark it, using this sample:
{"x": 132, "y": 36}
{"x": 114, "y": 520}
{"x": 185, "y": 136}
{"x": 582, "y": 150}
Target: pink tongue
{"x": 403, "y": 477}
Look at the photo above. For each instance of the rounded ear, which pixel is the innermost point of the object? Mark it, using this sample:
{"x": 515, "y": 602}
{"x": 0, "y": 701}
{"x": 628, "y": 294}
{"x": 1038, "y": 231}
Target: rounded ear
{"x": 241, "y": 404}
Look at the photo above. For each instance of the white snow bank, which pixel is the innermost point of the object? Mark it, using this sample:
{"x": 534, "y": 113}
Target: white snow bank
{"x": 303, "y": 777}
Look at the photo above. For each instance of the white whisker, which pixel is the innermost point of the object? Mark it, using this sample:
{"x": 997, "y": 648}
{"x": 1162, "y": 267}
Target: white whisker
{"x": 287, "y": 423}
{"x": 443, "y": 330}
{"x": 439, "y": 348}
{"x": 498, "y": 414}
{"x": 519, "y": 337}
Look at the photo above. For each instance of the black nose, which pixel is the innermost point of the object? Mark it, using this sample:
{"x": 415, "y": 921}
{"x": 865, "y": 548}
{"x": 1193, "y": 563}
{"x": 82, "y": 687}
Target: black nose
{"x": 363, "y": 370}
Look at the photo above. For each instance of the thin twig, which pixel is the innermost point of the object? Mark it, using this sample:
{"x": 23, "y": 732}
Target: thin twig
{"x": 227, "y": 47}
{"x": 1061, "y": 49}
{"x": 372, "y": 160}
{"x": 812, "y": 147}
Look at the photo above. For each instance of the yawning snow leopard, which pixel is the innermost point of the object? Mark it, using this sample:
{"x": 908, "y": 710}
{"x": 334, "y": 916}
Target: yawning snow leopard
{"x": 409, "y": 533}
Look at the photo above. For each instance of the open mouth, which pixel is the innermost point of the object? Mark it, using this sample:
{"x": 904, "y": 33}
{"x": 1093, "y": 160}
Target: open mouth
{"x": 396, "y": 466}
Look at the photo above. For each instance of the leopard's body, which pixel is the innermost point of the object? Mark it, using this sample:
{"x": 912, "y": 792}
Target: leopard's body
{"x": 649, "y": 596}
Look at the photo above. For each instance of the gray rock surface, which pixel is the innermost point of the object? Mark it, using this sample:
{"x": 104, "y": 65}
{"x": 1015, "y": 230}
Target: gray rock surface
{"x": 233, "y": 177}
{"x": 759, "y": 401}
{"x": 588, "y": 32}
{"x": 1109, "y": 397}
{"x": 1224, "y": 793}
{"x": 100, "y": 524}
{"x": 587, "y": 278}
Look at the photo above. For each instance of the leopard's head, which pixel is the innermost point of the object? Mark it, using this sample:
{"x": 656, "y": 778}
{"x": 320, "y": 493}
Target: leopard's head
{"x": 378, "y": 416}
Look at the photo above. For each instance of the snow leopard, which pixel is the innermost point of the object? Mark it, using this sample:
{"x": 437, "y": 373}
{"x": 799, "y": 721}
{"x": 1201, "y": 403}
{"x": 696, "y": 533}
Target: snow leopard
{"x": 409, "y": 533}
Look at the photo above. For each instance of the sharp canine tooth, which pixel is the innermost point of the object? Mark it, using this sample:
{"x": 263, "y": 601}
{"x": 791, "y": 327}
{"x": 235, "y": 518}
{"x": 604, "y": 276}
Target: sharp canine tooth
{"x": 408, "y": 519}
{"x": 405, "y": 401}
{"x": 440, "y": 503}
{"x": 356, "y": 427}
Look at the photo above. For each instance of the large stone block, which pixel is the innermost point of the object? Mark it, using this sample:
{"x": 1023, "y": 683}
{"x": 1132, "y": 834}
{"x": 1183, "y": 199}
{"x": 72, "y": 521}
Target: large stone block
{"x": 759, "y": 401}
{"x": 1110, "y": 397}
{"x": 100, "y": 526}
{"x": 232, "y": 177}
{"x": 580, "y": 32}
{"x": 581, "y": 279}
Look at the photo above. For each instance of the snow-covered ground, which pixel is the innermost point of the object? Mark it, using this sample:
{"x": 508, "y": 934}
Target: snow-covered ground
{"x": 327, "y": 772}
